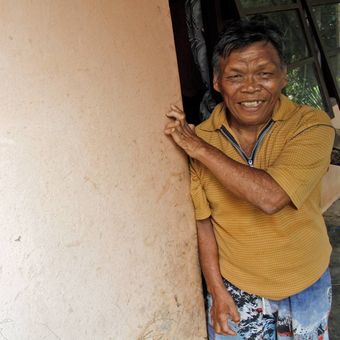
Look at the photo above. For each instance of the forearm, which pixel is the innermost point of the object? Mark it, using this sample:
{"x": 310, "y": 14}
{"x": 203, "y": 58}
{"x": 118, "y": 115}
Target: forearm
{"x": 223, "y": 306}
{"x": 254, "y": 185}
{"x": 208, "y": 254}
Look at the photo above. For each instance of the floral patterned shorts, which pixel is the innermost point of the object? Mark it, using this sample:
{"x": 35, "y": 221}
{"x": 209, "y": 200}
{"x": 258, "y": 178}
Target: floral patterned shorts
{"x": 303, "y": 316}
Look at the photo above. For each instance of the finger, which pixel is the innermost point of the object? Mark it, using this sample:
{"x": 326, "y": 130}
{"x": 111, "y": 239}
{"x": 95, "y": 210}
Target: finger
{"x": 224, "y": 327}
{"x": 217, "y": 326}
{"x": 179, "y": 115}
{"x": 169, "y": 131}
{"x": 175, "y": 108}
{"x": 173, "y": 127}
{"x": 235, "y": 316}
{"x": 173, "y": 131}
{"x": 220, "y": 324}
{"x": 217, "y": 329}
{"x": 173, "y": 124}
{"x": 192, "y": 127}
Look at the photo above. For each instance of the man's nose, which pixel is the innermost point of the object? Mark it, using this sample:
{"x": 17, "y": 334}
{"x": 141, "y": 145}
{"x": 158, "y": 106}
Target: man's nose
{"x": 251, "y": 85}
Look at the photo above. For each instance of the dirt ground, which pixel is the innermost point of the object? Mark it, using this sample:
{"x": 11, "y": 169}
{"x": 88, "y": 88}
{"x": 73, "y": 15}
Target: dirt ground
{"x": 332, "y": 218}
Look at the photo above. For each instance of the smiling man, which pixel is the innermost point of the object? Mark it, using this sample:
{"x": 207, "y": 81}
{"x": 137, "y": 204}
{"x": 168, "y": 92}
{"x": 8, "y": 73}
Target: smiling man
{"x": 256, "y": 166}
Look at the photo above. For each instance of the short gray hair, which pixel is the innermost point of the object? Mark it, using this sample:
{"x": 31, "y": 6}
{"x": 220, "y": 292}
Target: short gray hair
{"x": 246, "y": 31}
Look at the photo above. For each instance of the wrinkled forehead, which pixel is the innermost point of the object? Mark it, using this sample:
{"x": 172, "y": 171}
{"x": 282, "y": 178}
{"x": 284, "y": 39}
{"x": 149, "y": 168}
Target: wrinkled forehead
{"x": 260, "y": 54}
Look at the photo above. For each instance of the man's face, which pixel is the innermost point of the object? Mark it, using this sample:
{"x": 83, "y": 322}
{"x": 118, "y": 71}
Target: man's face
{"x": 250, "y": 82}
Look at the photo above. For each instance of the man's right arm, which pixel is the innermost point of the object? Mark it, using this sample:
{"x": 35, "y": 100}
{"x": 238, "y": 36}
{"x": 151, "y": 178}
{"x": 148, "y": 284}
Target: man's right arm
{"x": 223, "y": 307}
{"x": 248, "y": 183}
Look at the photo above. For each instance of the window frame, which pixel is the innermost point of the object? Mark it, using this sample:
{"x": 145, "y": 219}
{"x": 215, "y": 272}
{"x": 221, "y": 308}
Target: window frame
{"x": 325, "y": 53}
{"x": 313, "y": 53}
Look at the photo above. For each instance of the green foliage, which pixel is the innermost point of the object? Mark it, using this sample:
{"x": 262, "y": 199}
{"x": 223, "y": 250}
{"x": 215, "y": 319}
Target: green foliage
{"x": 303, "y": 89}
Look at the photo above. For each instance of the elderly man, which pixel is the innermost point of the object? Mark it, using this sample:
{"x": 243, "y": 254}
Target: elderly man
{"x": 256, "y": 166}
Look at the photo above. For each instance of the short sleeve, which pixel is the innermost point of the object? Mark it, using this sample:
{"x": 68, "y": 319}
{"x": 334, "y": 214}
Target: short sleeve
{"x": 303, "y": 161}
{"x": 201, "y": 204}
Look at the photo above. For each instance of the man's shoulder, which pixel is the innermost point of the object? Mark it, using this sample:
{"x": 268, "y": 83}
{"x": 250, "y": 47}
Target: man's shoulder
{"x": 303, "y": 116}
{"x": 309, "y": 116}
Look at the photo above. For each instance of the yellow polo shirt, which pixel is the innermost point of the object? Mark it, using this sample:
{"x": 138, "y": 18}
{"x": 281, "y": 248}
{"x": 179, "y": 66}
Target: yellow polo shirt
{"x": 273, "y": 256}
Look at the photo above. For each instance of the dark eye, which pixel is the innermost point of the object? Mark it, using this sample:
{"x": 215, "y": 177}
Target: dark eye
{"x": 234, "y": 77}
{"x": 265, "y": 74}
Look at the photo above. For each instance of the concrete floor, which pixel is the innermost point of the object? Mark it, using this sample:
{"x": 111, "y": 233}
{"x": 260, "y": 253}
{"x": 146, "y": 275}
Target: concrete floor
{"x": 332, "y": 218}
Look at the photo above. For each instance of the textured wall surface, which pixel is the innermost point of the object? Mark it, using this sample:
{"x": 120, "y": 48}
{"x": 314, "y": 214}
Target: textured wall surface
{"x": 97, "y": 235}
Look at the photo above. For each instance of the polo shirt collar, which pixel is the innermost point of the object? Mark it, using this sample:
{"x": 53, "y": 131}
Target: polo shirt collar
{"x": 284, "y": 109}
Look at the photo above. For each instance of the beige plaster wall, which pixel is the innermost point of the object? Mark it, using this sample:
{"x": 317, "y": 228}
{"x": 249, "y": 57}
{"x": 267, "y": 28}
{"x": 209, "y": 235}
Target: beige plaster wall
{"x": 97, "y": 236}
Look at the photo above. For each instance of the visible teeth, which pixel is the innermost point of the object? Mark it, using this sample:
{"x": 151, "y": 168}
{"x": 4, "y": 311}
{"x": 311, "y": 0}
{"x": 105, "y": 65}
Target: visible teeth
{"x": 252, "y": 104}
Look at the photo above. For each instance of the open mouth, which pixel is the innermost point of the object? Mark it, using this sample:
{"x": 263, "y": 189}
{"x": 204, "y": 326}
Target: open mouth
{"x": 252, "y": 104}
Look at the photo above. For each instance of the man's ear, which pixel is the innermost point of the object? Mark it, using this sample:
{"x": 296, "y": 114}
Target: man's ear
{"x": 216, "y": 83}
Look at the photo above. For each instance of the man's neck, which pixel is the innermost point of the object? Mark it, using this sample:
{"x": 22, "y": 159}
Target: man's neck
{"x": 247, "y": 135}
